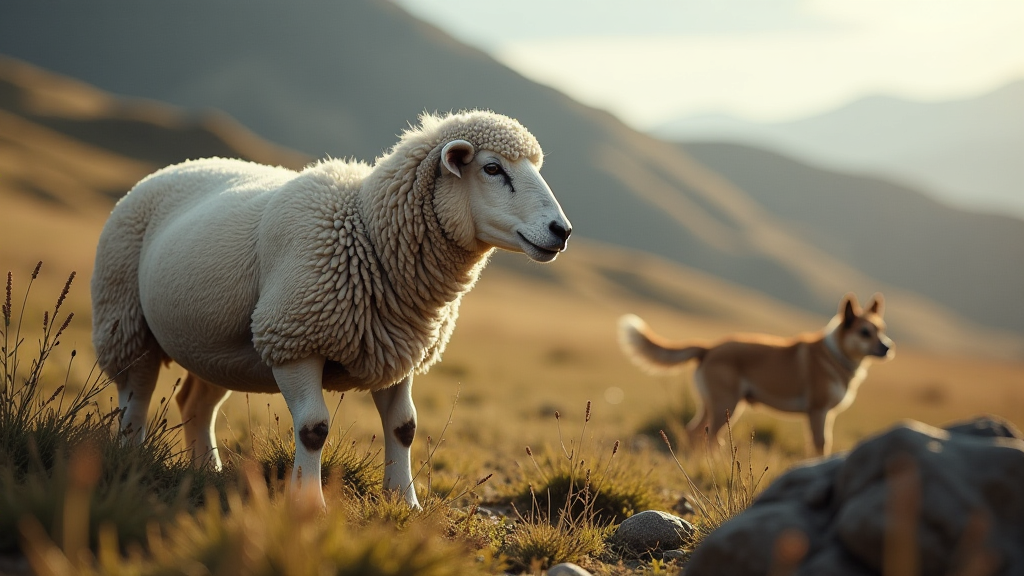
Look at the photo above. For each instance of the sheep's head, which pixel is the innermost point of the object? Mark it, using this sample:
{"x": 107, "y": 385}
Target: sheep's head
{"x": 490, "y": 194}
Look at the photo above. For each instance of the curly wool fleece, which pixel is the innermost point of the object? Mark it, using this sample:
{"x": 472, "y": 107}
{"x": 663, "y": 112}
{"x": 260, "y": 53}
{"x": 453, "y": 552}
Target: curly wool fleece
{"x": 380, "y": 282}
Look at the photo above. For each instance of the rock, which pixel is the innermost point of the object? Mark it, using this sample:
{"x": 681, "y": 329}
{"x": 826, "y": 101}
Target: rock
{"x": 652, "y": 530}
{"x": 490, "y": 513}
{"x": 675, "y": 555}
{"x": 746, "y": 547}
{"x": 988, "y": 426}
{"x": 948, "y": 488}
{"x": 567, "y": 569}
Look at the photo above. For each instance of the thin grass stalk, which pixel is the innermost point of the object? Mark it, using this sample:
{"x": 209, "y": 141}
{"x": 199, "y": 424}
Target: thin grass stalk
{"x": 21, "y": 319}
{"x": 702, "y": 499}
{"x": 6, "y": 311}
{"x": 430, "y": 453}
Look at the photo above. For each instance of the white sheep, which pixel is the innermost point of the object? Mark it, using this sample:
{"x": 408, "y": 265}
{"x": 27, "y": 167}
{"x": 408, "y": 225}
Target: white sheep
{"x": 341, "y": 276}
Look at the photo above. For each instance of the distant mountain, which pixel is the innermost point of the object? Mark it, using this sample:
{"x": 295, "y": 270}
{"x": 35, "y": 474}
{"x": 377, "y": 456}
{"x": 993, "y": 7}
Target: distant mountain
{"x": 966, "y": 152}
{"x": 343, "y": 78}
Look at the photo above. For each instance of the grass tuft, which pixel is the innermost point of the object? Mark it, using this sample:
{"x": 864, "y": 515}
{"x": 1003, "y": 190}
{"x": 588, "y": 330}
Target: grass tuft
{"x": 730, "y": 488}
{"x": 536, "y": 546}
{"x": 568, "y": 487}
{"x": 570, "y": 512}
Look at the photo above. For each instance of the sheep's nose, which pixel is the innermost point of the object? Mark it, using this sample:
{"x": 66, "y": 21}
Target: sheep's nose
{"x": 560, "y": 231}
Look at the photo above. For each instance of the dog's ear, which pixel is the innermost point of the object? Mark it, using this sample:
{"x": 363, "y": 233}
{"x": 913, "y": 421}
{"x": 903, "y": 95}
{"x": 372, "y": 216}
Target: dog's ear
{"x": 877, "y": 305}
{"x": 849, "y": 309}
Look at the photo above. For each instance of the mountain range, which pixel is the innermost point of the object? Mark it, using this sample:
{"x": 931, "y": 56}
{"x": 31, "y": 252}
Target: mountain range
{"x": 964, "y": 152}
{"x": 344, "y": 78}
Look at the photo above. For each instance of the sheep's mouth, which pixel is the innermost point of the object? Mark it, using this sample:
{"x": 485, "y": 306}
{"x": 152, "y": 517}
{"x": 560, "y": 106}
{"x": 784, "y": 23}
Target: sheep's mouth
{"x": 535, "y": 252}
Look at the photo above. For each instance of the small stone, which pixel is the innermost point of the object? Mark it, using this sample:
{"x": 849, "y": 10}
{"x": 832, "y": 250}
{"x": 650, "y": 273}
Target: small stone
{"x": 487, "y": 512}
{"x": 567, "y": 569}
{"x": 675, "y": 555}
{"x": 652, "y": 530}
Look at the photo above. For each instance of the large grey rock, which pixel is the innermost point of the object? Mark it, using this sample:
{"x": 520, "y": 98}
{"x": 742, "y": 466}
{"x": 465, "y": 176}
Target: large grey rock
{"x": 652, "y": 530}
{"x": 948, "y": 486}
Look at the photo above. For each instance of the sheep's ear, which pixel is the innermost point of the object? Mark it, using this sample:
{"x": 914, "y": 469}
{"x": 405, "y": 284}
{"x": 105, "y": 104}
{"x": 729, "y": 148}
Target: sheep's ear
{"x": 849, "y": 308}
{"x": 877, "y": 305}
{"x": 456, "y": 154}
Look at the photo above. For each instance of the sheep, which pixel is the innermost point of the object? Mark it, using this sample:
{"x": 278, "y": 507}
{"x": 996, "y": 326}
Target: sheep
{"x": 342, "y": 276}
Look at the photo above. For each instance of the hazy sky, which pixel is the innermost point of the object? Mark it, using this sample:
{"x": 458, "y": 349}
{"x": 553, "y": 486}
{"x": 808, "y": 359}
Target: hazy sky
{"x": 650, "y": 61}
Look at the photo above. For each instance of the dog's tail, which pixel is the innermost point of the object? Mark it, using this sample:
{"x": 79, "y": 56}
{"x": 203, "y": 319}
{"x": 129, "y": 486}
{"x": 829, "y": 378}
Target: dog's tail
{"x": 651, "y": 352}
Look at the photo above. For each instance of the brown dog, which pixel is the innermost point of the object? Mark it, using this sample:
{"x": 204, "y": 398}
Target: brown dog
{"x": 815, "y": 373}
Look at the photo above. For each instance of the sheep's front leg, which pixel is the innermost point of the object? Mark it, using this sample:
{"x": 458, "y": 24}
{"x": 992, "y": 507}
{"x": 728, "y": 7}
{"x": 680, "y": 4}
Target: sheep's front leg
{"x": 301, "y": 384}
{"x": 398, "y": 415}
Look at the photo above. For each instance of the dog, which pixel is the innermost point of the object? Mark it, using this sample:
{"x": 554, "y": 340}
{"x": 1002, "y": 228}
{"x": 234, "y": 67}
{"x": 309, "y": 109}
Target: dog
{"x": 816, "y": 373}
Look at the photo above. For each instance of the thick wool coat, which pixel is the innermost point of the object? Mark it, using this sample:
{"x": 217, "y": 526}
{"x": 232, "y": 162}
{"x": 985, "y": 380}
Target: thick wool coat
{"x": 229, "y": 267}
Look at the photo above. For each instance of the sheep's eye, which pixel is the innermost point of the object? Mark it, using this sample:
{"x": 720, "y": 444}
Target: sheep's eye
{"x": 493, "y": 169}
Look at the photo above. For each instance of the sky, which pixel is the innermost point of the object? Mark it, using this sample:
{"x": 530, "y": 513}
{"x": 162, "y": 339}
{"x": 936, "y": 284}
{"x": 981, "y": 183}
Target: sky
{"x": 653, "y": 61}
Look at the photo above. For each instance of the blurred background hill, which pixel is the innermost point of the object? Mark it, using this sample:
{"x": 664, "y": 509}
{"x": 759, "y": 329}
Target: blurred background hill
{"x": 965, "y": 152}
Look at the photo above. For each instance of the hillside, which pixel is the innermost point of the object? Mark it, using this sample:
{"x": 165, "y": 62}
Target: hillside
{"x": 965, "y": 152}
{"x": 79, "y": 148}
{"x": 344, "y": 78}
{"x": 887, "y": 231}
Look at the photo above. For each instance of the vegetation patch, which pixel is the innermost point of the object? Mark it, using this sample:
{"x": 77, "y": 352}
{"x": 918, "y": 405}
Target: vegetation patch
{"x": 535, "y": 546}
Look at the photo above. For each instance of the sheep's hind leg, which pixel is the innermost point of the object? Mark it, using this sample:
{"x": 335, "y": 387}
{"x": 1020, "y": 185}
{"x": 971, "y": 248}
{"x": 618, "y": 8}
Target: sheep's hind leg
{"x": 135, "y": 385}
{"x": 199, "y": 401}
{"x": 301, "y": 384}
{"x": 398, "y": 415}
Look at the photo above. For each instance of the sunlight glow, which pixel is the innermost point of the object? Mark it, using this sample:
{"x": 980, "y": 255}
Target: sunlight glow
{"x": 813, "y": 56}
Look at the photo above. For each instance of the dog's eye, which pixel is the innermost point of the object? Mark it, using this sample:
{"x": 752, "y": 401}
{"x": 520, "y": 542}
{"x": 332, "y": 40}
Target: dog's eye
{"x": 493, "y": 169}
{"x": 865, "y": 332}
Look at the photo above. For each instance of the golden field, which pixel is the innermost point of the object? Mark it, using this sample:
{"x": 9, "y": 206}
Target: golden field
{"x": 532, "y": 340}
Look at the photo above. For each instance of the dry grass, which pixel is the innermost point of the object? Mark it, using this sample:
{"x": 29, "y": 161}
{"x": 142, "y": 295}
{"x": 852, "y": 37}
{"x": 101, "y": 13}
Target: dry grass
{"x": 730, "y": 485}
{"x": 524, "y": 350}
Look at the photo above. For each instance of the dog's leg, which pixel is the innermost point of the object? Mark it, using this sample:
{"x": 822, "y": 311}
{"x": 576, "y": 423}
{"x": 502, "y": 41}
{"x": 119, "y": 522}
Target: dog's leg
{"x": 398, "y": 416}
{"x": 821, "y": 430}
{"x": 719, "y": 389}
{"x": 698, "y": 425}
{"x": 301, "y": 384}
{"x": 198, "y": 402}
{"x": 724, "y": 413}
